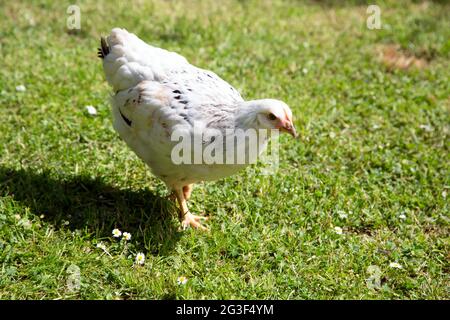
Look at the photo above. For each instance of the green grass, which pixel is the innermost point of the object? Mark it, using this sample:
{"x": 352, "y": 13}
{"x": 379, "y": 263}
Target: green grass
{"x": 374, "y": 146}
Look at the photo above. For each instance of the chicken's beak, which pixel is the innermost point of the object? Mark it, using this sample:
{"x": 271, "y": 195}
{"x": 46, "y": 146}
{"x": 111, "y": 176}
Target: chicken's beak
{"x": 289, "y": 128}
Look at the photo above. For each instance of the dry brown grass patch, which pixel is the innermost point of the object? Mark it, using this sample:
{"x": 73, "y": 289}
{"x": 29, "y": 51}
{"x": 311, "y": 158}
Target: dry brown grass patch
{"x": 393, "y": 57}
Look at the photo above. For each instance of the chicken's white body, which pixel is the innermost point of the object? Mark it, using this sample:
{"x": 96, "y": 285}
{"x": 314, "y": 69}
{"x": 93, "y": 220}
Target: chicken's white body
{"x": 158, "y": 92}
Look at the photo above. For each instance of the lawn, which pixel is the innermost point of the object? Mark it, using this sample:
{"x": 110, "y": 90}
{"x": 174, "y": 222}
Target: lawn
{"x": 358, "y": 208}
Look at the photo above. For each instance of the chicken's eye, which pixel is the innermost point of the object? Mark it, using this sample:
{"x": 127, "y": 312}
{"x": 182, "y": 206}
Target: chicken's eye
{"x": 271, "y": 116}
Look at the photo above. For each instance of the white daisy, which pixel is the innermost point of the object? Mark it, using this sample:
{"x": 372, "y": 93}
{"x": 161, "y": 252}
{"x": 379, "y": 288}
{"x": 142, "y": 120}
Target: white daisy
{"x": 116, "y": 233}
{"x": 91, "y": 110}
{"x": 26, "y": 223}
{"x": 426, "y": 127}
{"x": 342, "y": 214}
{"x": 338, "y": 230}
{"x": 402, "y": 216}
{"x": 140, "y": 258}
{"x": 395, "y": 265}
{"x": 21, "y": 88}
{"x": 126, "y": 236}
{"x": 101, "y": 246}
{"x": 182, "y": 280}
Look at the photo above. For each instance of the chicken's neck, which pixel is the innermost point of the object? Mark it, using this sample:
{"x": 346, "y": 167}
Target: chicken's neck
{"x": 247, "y": 115}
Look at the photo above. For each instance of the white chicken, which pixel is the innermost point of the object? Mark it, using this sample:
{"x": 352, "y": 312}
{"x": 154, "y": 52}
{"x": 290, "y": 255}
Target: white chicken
{"x": 158, "y": 92}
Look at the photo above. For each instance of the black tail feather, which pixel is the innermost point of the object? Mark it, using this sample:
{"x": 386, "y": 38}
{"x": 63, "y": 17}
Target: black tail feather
{"x": 104, "y": 49}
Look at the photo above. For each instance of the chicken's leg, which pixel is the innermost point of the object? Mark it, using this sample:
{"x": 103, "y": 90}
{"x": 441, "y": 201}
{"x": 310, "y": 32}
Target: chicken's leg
{"x": 187, "y": 190}
{"x": 187, "y": 218}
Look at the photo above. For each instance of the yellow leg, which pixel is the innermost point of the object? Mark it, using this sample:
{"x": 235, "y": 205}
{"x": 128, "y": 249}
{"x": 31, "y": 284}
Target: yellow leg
{"x": 187, "y": 218}
{"x": 187, "y": 190}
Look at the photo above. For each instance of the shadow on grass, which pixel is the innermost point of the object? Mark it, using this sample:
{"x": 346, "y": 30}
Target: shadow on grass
{"x": 92, "y": 205}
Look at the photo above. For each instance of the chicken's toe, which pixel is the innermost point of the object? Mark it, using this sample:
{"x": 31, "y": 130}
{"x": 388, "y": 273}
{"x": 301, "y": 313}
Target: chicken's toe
{"x": 191, "y": 220}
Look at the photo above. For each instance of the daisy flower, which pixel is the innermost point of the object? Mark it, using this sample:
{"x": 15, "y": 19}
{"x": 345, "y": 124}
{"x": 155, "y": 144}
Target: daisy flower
{"x": 116, "y": 233}
{"x": 91, "y": 110}
{"x": 126, "y": 236}
{"x": 338, "y": 230}
{"x": 395, "y": 265}
{"x": 101, "y": 246}
{"x": 140, "y": 258}
{"x": 182, "y": 280}
{"x": 21, "y": 88}
{"x": 342, "y": 214}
